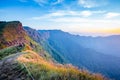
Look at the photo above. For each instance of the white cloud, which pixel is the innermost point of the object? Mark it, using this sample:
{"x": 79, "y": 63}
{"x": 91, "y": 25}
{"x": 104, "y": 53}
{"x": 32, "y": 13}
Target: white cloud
{"x": 90, "y": 13}
{"x": 63, "y": 13}
{"x": 92, "y": 3}
{"x": 47, "y": 16}
{"x": 43, "y": 2}
{"x": 87, "y": 26}
{"x": 73, "y": 18}
{"x": 86, "y": 13}
{"x": 86, "y": 3}
{"x": 79, "y": 22}
{"x": 57, "y": 2}
{"x": 112, "y": 15}
{"x": 83, "y": 20}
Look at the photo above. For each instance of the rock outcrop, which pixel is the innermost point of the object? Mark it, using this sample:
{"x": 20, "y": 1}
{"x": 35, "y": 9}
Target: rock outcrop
{"x": 12, "y": 34}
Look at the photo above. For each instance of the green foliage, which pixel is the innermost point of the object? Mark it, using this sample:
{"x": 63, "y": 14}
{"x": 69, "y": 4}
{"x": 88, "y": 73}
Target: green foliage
{"x": 54, "y": 53}
{"x": 10, "y": 50}
{"x": 39, "y": 49}
{"x": 7, "y": 30}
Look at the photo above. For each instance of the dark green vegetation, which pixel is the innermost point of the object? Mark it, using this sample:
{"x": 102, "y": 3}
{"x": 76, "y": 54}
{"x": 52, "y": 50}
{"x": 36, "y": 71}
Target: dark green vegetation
{"x": 21, "y": 58}
{"x": 10, "y": 50}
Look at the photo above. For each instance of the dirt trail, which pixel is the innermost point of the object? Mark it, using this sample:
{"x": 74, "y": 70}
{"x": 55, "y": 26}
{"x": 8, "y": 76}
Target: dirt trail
{"x": 11, "y": 70}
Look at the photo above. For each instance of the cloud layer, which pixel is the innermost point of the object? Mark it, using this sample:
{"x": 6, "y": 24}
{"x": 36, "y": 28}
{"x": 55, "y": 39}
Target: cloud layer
{"x": 112, "y": 15}
{"x": 92, "y": 3}
{"x": 84, "y": 16}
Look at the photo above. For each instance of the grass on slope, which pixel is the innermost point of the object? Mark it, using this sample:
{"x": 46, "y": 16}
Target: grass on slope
{"x": 10, "y": 50}
{"x": 41, "y": 69}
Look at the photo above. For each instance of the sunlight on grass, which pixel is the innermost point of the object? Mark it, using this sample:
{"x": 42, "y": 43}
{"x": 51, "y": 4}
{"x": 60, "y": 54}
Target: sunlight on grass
{"x": 42, "y": 69}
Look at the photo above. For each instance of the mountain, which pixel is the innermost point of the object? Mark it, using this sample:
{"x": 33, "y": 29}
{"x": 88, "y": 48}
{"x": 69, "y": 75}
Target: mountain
{"x": 77, "y": 54}
{"x": 107, "y": 45}
{"x": 13, "y": 34}
{"x": 73, "y": 50}
{"x": 22, "y": 58}
{"x": 41, "y": 39}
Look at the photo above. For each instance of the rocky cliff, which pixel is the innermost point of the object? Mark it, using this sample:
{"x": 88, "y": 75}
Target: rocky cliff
{"x": 12, "y": 34}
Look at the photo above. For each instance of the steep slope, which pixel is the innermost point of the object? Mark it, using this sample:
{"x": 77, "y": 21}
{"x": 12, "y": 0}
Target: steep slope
{"x": 41, "y": 39}
{"x": 13, "y": 34}
{"x": 82, "y": 56}
{"x": 21, "y": 58}
{"x": 46, "y": 70}
{"x": 13, "y": 41}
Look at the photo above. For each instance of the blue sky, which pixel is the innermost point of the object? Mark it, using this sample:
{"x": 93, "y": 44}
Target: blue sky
{"x": 84, "y": 17}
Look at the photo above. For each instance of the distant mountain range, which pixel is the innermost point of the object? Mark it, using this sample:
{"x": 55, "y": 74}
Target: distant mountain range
{"x": 97, "y": 54}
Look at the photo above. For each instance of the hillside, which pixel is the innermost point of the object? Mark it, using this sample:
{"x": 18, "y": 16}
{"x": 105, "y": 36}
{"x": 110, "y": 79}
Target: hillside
{"x": 21, "y": 58}
{"x": 74, "y": 51}
{"x": 41, "y": 39}
{"x": 13, "y": 35}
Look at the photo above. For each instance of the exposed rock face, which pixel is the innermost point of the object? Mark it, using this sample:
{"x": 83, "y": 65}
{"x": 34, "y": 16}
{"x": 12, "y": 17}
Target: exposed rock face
{"x": 12, "y": 34}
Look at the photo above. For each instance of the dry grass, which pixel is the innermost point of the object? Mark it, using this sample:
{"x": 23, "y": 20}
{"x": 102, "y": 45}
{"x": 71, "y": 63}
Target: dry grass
{"x": 42, "y": 69}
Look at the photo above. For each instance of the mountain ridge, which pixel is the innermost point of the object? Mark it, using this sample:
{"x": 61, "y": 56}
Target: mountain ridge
{"x": 29, "y": 61}
{"x": 80, "y": 55}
